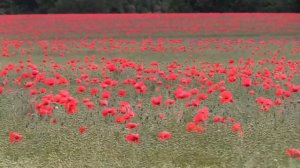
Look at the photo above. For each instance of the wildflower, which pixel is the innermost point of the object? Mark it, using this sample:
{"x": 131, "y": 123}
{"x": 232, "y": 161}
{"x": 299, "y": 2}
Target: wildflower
{"x": 82, "y": 129}
{"x": 164, "y": 135}
{"x": 156, "y": 100}
{"x": 81, "y": 89}
{"x": 14, "y": 137}
{"x": 293, "y": 153}
{"x": 226, "y": 97}
{"x": 201, "y": 115}
{"x": 105, "y": 95}
{"x": 131, "y": 125}
{"x": 121, "y": 92}
{"x": 246, "y": 82}
{"x": 193, "y": 127}
{"x": 236, "y": 127}
{"x": 133, "y": 138}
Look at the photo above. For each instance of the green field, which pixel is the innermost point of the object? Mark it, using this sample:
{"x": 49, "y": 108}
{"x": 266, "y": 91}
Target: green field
{"x": 265, "y": 137}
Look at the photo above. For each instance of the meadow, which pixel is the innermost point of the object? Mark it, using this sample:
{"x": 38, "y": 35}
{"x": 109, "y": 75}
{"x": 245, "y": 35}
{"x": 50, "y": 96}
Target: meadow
{"x": 150, "y": 90}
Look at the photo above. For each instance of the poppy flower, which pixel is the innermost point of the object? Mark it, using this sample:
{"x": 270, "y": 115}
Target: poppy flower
{"x": 131, "y": 125}
{"x": 103, "y": 102}
{"x": 94, "y": 91}
{"x": 140, "y": 87}
{"x": 111, "y": 67}
{"x": 201, "y": 96}
{"x": 251, "y": 92}
{"x": 156, "y": 100}
{"x": 161, "y": 115}
{"x": 119, "y": 119}
{"x": 85, "y": 100}
{"x": 201, "y": 115}
{"x": 226, "y": 97}
{"x": 43, "y": 90}
{"x": 71, "y": 106}
{"x": 81, "y": 89}
{"x": 89, "y": 105}
{"x": 216, "y": 118}
{"x": 28, "y": 84}
{"x": 107, "y": 111}
{"x": 246, "y": 82}
{"x": 194, "y": 91}
{"x": 164, "y": 135}
{"x": 230, "y": 61}
{"x": 169, "y": 102}
{"x": 293, "y": 153}
{"x": 236, "y": 127}
{"x": 232, "y": 78}
{"x": 181, "y": 94}
{"x": 50, "y": 81}
{"x": 82, "y": 129}
{"x": 193, "y": 127}
{"x": 121, "y": 92}
{"x": 14, "y": 137}
{"x": 133, "y": 138}
{"x": 105, "y": 95}
{"x": 33, "y": 91}
{"x": 278, "y": 101}
{"x": 1, "y": 90}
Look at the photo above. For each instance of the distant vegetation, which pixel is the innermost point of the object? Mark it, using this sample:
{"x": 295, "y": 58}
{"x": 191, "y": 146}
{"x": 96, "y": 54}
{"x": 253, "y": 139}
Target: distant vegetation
{"x": 145, "y": 6}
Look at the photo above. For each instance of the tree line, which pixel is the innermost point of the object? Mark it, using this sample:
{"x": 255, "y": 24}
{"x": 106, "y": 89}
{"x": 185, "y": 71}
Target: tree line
{"x": 146, "y": 6}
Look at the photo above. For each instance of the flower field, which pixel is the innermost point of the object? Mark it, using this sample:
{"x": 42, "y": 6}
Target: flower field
{"x": 150, "y": 90}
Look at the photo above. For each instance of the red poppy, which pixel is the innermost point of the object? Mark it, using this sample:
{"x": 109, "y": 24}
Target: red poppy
{"x": 50, "y": 81}
{"x": 33, "y": 91}
{"x": 246, "y": 82}
{"x": 216, "y": 118}
{"x": 226, "y": 97}
{"x": 201, "y": 115}
{"x": 156, "y": 100}
{"x": 293, "y": 153}
{"x": 169, "y": 101}
{"x": 251, "y": 92}
{"x": 133, "y": 138}
{"x": 81, "y": 89}
{"x": 278, "y": 101}
{"x": 85, "y": 100}
{"x": 94, "y": 91}
{"x": 103, "y": 102}
{"x": 230, "y": 61}
{"x": 131, "y": 125}
{"x": 193, "y": 127}
{"x": 119, "y": 119}
{"x": 164, "y": 135}
{"x": 43, "y": 90}
{"x": 29, "y": 84}
{"x": 1, "y": 90}
{"x": 162, "y": 116}
{"x": 121, "y": 92}
{"x": 105, "y": 95}
{"x": 140, "y": 87}
{"x": 82, "y": 129}
{"x": 194, "y": 91}
{"x": 14, "y": 137}
{"x": 201, "y": 96}
{"x": 107, "y": 111}
{"x": 89, "y": 105}
{"x": 71, "y": 105}
{"x": 236, "y": 127}
{"x": 181, "y": 94}
{"x": 232, "y": 78}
